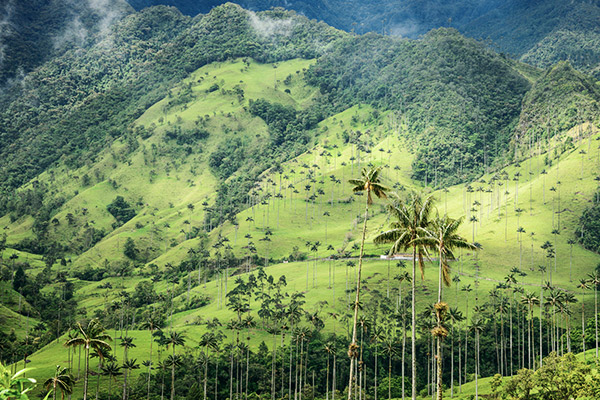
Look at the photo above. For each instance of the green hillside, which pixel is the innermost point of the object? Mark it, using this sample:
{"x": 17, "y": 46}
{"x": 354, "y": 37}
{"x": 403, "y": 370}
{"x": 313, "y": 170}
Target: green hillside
{"x": 212, "y": 200}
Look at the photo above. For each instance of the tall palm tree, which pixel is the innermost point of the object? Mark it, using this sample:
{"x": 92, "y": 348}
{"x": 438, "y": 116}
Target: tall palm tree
{"x": 443, "y": 236}
{"x": 151, "y": 323}
{"x": 62, "y": 380}
{"x": 571, "y": 242}
{"x": 371, "y": 183}
{"x": 455, "y": 317}
{"x": 411, "y": 218}
{"x": 101, "y": 355}
{"x": 530, "y": 300}
{"x": 208, "y": 339}
{"x": 174, "y": 339}
{"x": 126, "y": 343}
{"x": 111, "y": 370}
{"x": 377, "y": 336}
{"x": 477, "y": 326}
{"x": 583, "y": 285}
{"x": 92, "y": 336}
{"x": 127, "y": 366}
{"x": 594, "y": 280}
{"x": 329, "y": 349}
{"x": 390, "y": 345}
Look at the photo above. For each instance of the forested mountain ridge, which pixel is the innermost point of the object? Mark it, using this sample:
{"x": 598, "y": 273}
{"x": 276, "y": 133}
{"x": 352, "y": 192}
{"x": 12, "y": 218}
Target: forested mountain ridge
{"x": 128, "y": 71}
{"x": 458, "y": 100}
{"x": 535, "y": 31}
{"x": 34, "y": 31}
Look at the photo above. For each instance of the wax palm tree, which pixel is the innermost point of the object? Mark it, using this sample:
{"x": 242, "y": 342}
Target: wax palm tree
{"x": 62, "y": 380}
{"x": 455, "y": 317}
{"x": 126, "y": 343}
{"x": 330, "y": 349}
{"x": 594, "y": 280}
{"x": 443, "y": 236}
{"x": 174, "y": 339}
{"x": 477, "y": 326}
{"x": 101, "y": 355}
{"x": 151, "y": 323}
{"x": 371, "y": 183}
{"x": 530, "y": 300}
{"x": 553, "y": 300}
{"x": 583, "y": 285}
{"x": 571, "y": 242}
{"x": 390, "y": 346}
{"x": 127, "y": 366}
{"x": 208, "y": 340}
{"x": 411, "y": 218}
{"x": 377, "y": 336}
{"x": 111, "y": 370}
{"x": 91, "y": 337}
{"x": 568, "y": 299}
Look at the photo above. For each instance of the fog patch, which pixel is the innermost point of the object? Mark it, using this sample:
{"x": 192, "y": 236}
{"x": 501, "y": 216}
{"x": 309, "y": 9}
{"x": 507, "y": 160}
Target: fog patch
{"x": 76, "y": 32}
{"x": 6, "y": 14}
{"x": 406, "y": 28}
{"x": 269, "y": 27}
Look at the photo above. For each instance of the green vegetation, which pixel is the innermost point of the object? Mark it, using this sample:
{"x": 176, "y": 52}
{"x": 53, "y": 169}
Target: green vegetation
{"x": 212, "y": 240}
{"x": 456, "y": 100}
{"x": 588, "y": 232}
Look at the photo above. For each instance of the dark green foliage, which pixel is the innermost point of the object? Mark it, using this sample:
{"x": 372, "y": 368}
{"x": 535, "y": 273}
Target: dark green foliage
{"x": 560, "y": 99}
{"x": 588, "y": 234}
{"x": 187, "y": 136}
{"x": 227, "y": 158}
{"x": 121, "y": 210}
{"x": 277, "y": 116}
{"x": 86, "y": 98}
{"x": 542, "y": 32}
{"x": 20, "y": 279}
{"x": 144, "y": 294}
{"x": 90, "y": 274}
{"x": 34, "y": 31}
{"x": 130, "y": 250}
{"x": 459, "y": 100}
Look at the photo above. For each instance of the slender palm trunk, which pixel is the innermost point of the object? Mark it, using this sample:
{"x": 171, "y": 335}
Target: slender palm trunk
{"x": 541, "y": 305}
{"x": 173, "y": 376}
{"x": 477, "y": 366}
{"x": 98, "y": 379}
{"x": 205, "y": 370}
{"x": 353, "y": 348}
{"x": 439, "y": 324}
{"x": 216, "y": 375}
{"x": 583, "y": 324}
{"x": 413, "y": 327}
{"x": 390, "y": 376}
{"x": 86, "y": 372}
{"x": 327, "y": 379}
{"x": 150, "y": 364}
{"x": 452, "y": 365}
{"x": 596, "y": 316}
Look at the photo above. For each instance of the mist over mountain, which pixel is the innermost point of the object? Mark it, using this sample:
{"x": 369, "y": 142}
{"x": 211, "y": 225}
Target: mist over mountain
{"x": 538, "y": 32}
{"x": 33, "y": 31}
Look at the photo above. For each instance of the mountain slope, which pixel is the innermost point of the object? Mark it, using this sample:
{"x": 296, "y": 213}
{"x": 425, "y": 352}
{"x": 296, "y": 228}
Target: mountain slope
{"x": 228, "y": 143}
{"x": 34, "y": 31}
{"x": 539, "y": 32}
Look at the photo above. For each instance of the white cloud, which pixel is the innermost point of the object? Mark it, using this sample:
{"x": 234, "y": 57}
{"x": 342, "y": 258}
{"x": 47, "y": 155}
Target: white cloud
{"x": 268, "y": 27}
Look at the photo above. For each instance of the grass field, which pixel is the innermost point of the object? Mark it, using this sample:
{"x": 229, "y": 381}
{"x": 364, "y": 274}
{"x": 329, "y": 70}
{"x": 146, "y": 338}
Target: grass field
{"x": 162, "y": 181}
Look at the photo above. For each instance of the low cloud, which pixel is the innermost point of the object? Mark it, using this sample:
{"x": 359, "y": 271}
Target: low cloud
{"x": 75, "y": 32}
{"x": 6, "y": 14}
{"x": 268, "y": 27}
{"x": 406, "y": 28}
